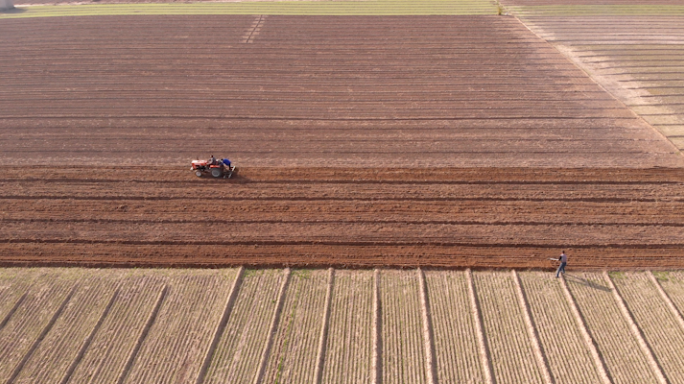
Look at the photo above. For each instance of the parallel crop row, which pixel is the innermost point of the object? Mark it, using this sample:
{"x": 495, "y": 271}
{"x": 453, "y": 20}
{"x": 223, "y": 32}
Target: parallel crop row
{"x": 53, "y": 358}
{"x": 131, "y": 326}
{"x": 403, "y": 353}
{"x": 14, "y": 285}
{"x": 43, "y": 304}
{"x": 673, "y": 284}
{"x": 104, "y": 360}
{"x": 511, "y": 350}
{"x": 455, "y": 341}
{"x": 349, "y": 343}
{"x": 293, "y": 354}
{"x": 175, "y": 347}
{"x": 659, "y": 325}
{"x": 238, "y": 353}
{"x": 567, "y": 354}
{"x": 623, "y": 356}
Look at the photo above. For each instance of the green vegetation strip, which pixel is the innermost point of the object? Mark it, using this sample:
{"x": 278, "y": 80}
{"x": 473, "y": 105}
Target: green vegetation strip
{"x": 354, "y": 8}
{"x": 597, "y": 10}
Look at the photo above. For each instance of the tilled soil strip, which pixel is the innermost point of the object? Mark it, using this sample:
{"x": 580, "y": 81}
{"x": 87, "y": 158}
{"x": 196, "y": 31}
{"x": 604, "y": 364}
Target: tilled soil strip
{"x": 455, "y": 218}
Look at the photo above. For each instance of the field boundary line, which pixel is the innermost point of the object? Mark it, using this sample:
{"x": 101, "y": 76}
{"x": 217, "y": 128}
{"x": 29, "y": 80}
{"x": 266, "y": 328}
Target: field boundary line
{"x": 376, "y": 362}
{"x": 323, "y": 339}
{"x": 428, "y": 333}
{"x": 588, "y": 339}
{"x": 273, "y": 328}
{"x": 539, "y": 355}
{"x": 637, "y": 332}
{"x": 254, "y": 30}
{"x": 677, "y": 314}
{"x": 43, "y": 333}
{"x": 90, "y": 338}
{"x": 221, "y": 326}
{"x": 12, "y": 311}
{"x": 483, "y": 348}
{"x": 143, "y": 334}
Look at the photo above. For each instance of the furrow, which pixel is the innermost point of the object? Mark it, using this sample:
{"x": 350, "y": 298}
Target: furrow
{"x": 617, "y": 345}
{"x": 275, "y": 320}
{"x": 143, "y": 335}
{"x": 504, "y": 328}
{"x": 539, "y": 354}
{"x": 89, "y": 339}
{"x": 649, "y": 338}
{"x": 227, "y": 310}
{"x": 293, "y": 357}
{"x": 483, "y": 347}
{"x": 455, "y": 332}
{"x": 589, "y": 341}
{"x": 428, "y": 333}
{"x": 323, "y": 339}
{"x": 29, "y": 353}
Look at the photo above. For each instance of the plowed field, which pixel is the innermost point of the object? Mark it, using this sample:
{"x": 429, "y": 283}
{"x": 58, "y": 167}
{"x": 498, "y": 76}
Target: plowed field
{"x": 304, "y": 216}
{"x": 281, "y": 91}
{"x": 362, "y": 141}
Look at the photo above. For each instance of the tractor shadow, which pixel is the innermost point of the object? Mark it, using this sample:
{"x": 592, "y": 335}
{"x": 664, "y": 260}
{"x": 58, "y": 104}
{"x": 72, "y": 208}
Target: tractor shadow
{"x": 588, "y": 283}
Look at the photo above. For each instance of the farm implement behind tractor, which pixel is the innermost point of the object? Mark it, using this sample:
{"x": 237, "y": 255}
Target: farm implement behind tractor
{"x": 214, "y": 167}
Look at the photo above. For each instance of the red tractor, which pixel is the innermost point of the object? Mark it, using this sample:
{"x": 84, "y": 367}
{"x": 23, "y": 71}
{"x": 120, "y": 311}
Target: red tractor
{"x": 214, "y": 167}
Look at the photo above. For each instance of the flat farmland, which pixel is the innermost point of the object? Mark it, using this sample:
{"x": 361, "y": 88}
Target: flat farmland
{"x": 45, "y": 8}
{"x": 478, "y": 218}
{"x": 639, "y": 59}
{"x": 362, "y": 141}
{"x": 321, "y": 91}
{"x": 102, "y": 325}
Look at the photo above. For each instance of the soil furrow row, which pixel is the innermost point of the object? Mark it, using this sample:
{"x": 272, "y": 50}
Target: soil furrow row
{"x": 639, "y": 332}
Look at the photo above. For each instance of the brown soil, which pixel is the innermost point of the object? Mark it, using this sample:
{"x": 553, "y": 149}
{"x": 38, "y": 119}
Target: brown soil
{"x": 479, "y": 218}
{"x": 457, "y": 91}
{"x": 363, "y": 141}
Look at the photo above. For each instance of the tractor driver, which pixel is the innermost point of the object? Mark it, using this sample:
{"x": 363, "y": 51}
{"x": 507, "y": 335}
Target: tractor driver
{"x": 212, "y": 160}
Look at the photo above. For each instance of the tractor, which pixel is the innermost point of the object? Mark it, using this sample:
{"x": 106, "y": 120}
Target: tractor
{"x": 215, "y": 167}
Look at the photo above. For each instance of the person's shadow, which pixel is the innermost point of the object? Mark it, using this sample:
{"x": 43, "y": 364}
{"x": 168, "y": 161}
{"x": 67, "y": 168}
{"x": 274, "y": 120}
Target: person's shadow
{"x": 588, "y": 283}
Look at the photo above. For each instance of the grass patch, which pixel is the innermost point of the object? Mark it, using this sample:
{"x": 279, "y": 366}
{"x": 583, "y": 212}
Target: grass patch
{"x": 662, "y": 276}
{"x": 617, "y": 275}
{"x": 597, "y": 10}
{"x": 322, "y": 8}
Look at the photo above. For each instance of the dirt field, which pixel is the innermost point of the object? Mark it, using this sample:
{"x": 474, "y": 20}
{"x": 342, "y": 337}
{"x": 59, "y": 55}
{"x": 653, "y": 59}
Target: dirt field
{"x": 639, "y": 59}
{"x": 307, "y": 92}
{"x": 481, "y": 218}
{"x": 364, "y": 141}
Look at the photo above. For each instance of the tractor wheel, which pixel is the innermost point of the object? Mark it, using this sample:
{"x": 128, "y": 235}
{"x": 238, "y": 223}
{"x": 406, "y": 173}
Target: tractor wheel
{"x": 216, "y": 172}
{"x": 198, "y": 173}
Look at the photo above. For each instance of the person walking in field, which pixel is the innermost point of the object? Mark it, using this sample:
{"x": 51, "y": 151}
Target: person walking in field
{"x": 563, "y": 258}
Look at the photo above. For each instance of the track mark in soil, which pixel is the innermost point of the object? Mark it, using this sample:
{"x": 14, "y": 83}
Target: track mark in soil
{"x": 485, "y": 357}
{"x": 89, "y": 339}
{"x": 540, "y": 356}
{"x": 254, "y": 30}
{"x": 218, "y": 332}
{"x": 12, "y": 311}
{"x": 323, "y": 339}
{"x": 376, "y": 361}
{"x": 40, "y": 338}
{"x": 637, "y": 332}
{"x": 589, "y": 341}
{"x": 668, "y": 301}
{"x": 273, "y": 328}
{"x": 428, "y": 332}
{"x": 143, "y": 335}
